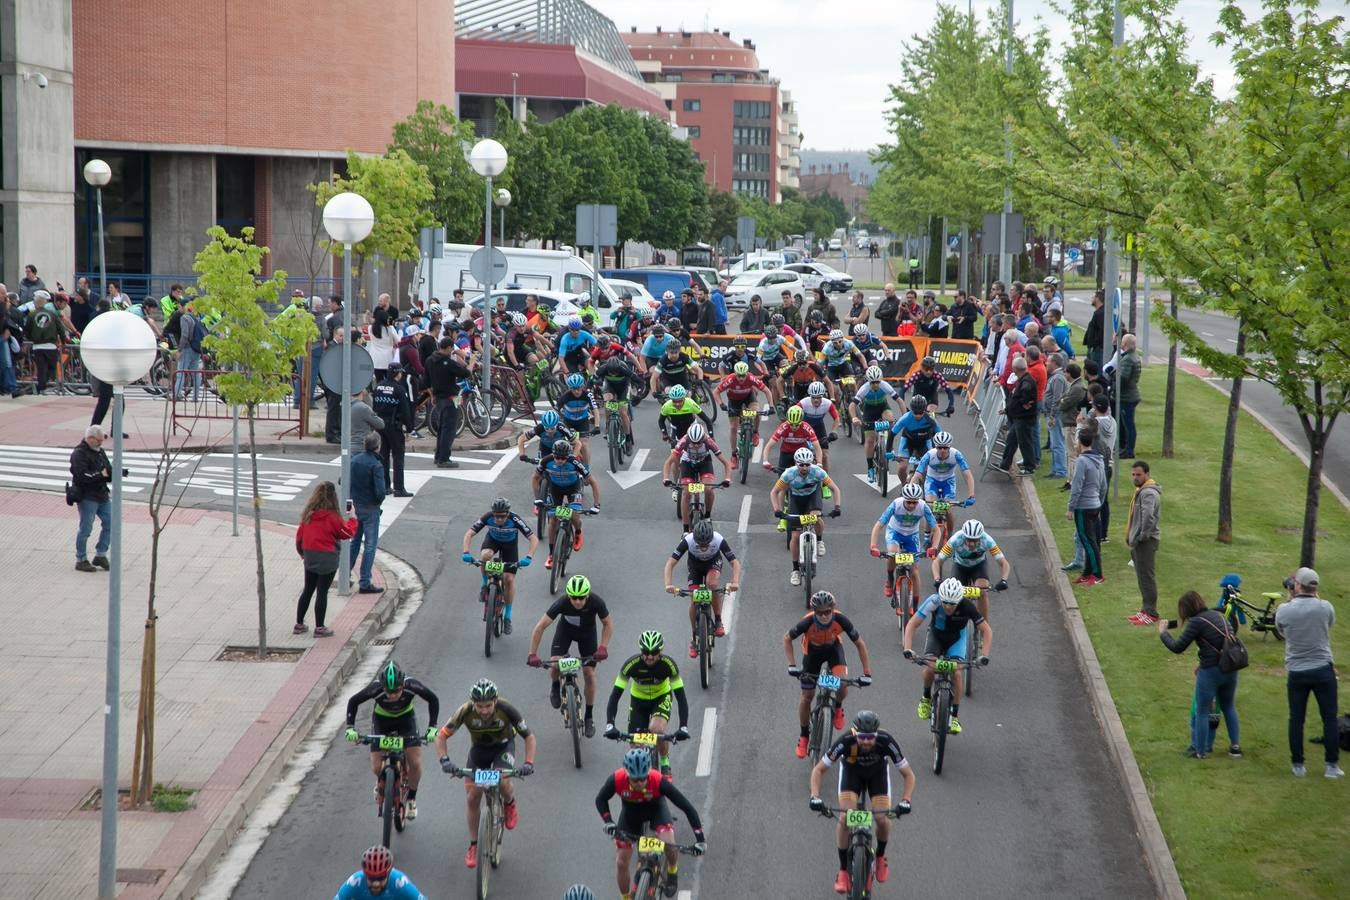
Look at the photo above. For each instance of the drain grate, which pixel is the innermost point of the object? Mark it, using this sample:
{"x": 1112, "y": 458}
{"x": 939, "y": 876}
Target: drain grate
{"x": 247, "y": 653}
{"x": 384, "y": 642}
{"x": 139, "y": 876}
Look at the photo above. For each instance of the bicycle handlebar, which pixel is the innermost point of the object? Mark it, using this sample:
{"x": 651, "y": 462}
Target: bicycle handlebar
{"x": 457, "y": 772}
{"x": 671, "y": 736}
{"x": 959, "y": 663}
{"x": 833, "y": 812}
{"x": 688, "y": 849}
{"x": 856, "y": 681}
{"x": 506, "y": 566}
{"x": 553, "y": 663}
{"x": 409, "y": 740}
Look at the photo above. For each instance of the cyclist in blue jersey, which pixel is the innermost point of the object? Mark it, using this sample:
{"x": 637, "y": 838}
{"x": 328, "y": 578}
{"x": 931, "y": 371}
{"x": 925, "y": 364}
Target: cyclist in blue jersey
{"x": 564, "y": 475}
{"x": 868, "y": 344}
{"x": 802, "y": 485}
{"x": 578, "y": 409}
{"x": 904, "y": 520}
{"x": 549, "y": 431}
{"x": 938, "y": 468}
{"x": 574, "y": 347}
{"x": 773, "y": 351}
{"x": 871, "y": 404}
{"x": 377, "y": 877}
{"x": 504, "y": 530}
{"x": 915, "y": 430}
{"x": 654, "y": 347}
{"x": 969, "y": 550}
{"x": 948, "y": 612}
{"x": 840, "y": 356}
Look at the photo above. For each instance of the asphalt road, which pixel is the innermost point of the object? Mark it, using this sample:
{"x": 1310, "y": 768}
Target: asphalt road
{"x": 1031, "y": 753}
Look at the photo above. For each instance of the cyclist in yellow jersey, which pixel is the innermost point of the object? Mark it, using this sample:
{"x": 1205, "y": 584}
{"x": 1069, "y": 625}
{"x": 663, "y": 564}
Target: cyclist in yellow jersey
{"x": 653, "y": 679}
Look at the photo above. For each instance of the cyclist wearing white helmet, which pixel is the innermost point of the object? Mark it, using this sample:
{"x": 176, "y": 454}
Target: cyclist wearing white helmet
{"x": 692, "y": 457}
{"x": 820, "y": 413}
{"x": 969, "y": 550}
{"x": 871, "y": 404}
{"x": 841, "y": 355}
{"x": 523, "y": 343}
{"x": 802, "y": 485}
{"x": 948, "y": 612}
{"x": 904, "y": 520}
{"x": 938, "y": 468}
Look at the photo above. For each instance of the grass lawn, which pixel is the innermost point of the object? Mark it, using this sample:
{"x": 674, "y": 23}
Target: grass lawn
{"x": 1236, "y": 827}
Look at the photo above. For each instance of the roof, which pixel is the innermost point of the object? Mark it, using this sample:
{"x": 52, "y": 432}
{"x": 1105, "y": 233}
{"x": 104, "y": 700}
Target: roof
{"x": 546, "y": 22}
{"x": 547, "y": 70}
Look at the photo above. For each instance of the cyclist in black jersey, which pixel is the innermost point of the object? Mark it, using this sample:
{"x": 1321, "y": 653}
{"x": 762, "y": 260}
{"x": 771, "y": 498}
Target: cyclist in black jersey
{"x": 615, "y": 375}
{"x": 927, "y": 382}
{"x": 740, "y": 352}
{"x": 674, "y": 367}
{"x": 393, "y": 693}
{"x": 579, "y": 610}
{"x": 707, "y": 548}
{"x": 504, "y": 530}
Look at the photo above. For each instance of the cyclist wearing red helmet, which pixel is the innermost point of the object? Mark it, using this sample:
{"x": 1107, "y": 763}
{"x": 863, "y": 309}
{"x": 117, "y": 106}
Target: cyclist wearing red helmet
{"x": 377, "y": 877}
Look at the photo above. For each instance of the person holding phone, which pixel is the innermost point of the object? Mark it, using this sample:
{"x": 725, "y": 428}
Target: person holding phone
{"x": 1207, "y": 629}
{"x": 316, "y": 540}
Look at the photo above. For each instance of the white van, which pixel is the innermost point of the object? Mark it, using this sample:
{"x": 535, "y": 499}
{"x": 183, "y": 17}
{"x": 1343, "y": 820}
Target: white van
{"x": 548, "y": 270}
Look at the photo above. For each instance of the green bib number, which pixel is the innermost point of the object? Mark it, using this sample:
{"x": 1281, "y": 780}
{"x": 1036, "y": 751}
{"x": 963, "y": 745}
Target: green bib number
{"x": 858, "y": 818}
{"x": 569, "y": 664}
{"x": 391, "y": 742}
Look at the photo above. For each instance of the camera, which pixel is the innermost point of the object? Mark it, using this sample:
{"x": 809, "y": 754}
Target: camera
{"x": 1171, "y": 624}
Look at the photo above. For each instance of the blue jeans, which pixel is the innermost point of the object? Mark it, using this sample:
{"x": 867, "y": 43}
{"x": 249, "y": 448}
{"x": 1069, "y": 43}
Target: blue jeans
{"x": 89, "y": 509}
{"x": 189, "y": 359}
{"x": 368, "y": 521}
{"x": 1210, "y": 683}
{"x": 1321, "y": 683}
{"x": 1128, "y": 432}
{"x": 8, "y": 383}
{"x": 1059, "y": 466}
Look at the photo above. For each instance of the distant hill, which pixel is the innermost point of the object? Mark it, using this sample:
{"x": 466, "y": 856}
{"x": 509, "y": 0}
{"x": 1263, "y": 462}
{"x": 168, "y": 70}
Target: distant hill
{"x": 857, "y": 160}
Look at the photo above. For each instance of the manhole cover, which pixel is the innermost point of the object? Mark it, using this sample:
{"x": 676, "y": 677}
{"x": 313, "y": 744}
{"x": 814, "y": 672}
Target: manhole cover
{"x": 165, "y": 708}
{"x": 245, "y": 653}
{"x": 139, "y": 876}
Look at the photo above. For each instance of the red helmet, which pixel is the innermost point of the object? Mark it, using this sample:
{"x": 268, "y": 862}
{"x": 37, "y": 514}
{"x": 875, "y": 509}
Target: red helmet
{"x": 377, "y": 862}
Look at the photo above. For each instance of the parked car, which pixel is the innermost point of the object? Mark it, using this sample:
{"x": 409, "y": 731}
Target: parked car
{"x": 836, "y": 244}
{"x": 638, "y": 291}
{"x": 818, "y": 275}
{"x": 769, "y": 284}
{"x": 656, "y": 279}
{"x": 560, "y": 305}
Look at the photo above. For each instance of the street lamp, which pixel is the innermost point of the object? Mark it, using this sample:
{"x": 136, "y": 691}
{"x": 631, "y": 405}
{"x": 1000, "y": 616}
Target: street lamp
{"x": 117, "y": 348}
{"x": 488, "y": 158}
{"x": 503, "y": 199}
{"x": 97, "y": 174}
{"x": 348, "y": 219}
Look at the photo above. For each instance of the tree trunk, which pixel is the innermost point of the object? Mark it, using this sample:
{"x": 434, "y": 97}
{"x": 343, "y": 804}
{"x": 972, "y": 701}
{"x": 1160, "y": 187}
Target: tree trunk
{"x": 1317, "y": 433}
{"x": 1169, "y": 410}
{"x": 1134, "y": 293}
{"x": 1225, "y": 535}
{"x": 257, "y": 539}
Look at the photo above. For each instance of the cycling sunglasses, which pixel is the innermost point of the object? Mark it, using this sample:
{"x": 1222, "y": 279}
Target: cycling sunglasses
{"x": 865, "y": 735}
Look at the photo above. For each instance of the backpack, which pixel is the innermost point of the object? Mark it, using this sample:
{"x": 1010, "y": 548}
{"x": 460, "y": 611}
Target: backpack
{"x": 1233, "y": 653}
{"x": 198, "y": 335}
{"x": 1342, "y": 732}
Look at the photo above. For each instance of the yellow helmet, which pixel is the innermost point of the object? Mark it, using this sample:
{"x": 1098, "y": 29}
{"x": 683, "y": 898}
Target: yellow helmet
{"x": 794, "y": 415}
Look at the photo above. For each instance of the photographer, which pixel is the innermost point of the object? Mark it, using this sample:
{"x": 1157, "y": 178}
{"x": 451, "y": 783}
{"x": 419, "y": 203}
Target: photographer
{"x": 1207, "y": 629}
{"x": 90, "y": 474}
{"x": 1305, "y": 624}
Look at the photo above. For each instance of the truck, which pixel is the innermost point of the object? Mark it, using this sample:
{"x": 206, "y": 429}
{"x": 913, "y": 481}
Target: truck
{"x": 550, "y": 270}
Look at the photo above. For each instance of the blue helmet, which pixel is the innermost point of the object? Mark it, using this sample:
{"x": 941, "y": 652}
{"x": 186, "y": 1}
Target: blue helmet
{"x": 575, "y": 381}
{"x": 574, "y": 324}
{"x": 548, "y": 419}
{"x": 637, "y": 763}
{"x": 578, "y": 892}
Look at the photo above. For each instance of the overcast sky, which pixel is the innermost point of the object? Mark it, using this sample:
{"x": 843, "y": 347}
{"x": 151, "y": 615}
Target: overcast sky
{"x": 838, "y": 59}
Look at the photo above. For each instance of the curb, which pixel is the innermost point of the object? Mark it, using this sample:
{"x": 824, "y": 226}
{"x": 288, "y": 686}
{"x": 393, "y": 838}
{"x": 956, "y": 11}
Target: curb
{"x": 1161, "y": 867}
{"x": 193, "y": 873}
{"x": 310, "y": 444}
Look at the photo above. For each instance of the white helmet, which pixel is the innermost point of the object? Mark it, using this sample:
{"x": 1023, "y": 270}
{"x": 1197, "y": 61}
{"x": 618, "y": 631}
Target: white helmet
{"x": 942, "y": 439}
{"x": 911, "y": 492}
{"x": 816, "y": 389}
{"x": 874, "y": 373}
{"x": 836, "y": 335}
{"x": 803, "y": 456}
{"x": 696, "y": 434}
{"x": 859, "y": 330}
{"x": 435, "y": 309}
{"x": 518, "y": 320}
{"x": 973, "y": 530}
{"x": 951, "y": 591}
{"x": 668, "y": 295}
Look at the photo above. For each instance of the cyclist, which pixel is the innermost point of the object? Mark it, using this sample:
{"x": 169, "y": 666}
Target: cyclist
{"x": 772, "y": 351}
{"x": 377, "y": 877}
{"x": 653, "y": 679}
{"x": 803, "y": 483}
{"x": 816, "y": 408}
{"x": 549, "y": 431}
{"x": 642, "y": 801}
{"x": 492, "y": 724}
{"x": 791, "y": 333}
{"x": 821, "y": 633}
{"x": 938, "y": 468}
{"x": 615, "y": 374}
{"x": 865, "y": 756}
{"x": 799, "y": 376}
{"x": 872, "y": 403}
{"x": 740, "y": 353}
{"x": 393, "y": 693}
{"x": 950, "y": 611}
{"x": 578, "y": 892}
{"x": 693, "y": 454}
{"x": 789, "y": 437}
{"x": 522, "y": 342}
{"x": 840, "y": 356}
{"x": 904, "y": 520}
{"x": 707, "y": 548}
{"x": 678, "y": 412}
{"x": 915, "y": 430}
{"x": 654, "y": 347}
{"x": 574, "y": 347}
{"x": 565, "y": 476}
{"x": 577, "y": 407}
{"x": 504, "y": 529}
{"x": 673, "y": 368}
{"x": 740, "y": 387}
{"x": 927, "y": 382}
{"x": 579, "y": 609}
{"x": 968, "y": 551}
{"x": 868, "y": 344}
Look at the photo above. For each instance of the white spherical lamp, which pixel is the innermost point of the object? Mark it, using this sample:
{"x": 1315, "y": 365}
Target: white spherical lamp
{"x": 97, "y": 173}
{"x": 348, "y": 218}
{"x": 118, "y": 347}
{"x": 488, "y": 158}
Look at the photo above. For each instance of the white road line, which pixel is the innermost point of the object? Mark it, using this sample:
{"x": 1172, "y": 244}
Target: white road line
{"x": 758, "y": 456}
{"x": 743, "y": 522}
{"x": 1230, "y": 340}
{"x": 1207, "y": 333}
{"x": 685, "y": 895}
{"x": 707, "y": 739}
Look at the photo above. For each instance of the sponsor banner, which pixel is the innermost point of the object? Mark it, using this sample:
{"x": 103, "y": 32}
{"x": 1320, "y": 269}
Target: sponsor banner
{"x": 899, "y": 359}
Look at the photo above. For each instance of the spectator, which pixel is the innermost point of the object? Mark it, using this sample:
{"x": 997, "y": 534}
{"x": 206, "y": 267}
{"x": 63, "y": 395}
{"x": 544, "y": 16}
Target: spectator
{"x": 888, "y": 311}
{"x": 668, "y": 308}
{"x": 964, "y": 312}
{"x": 1087, "y": 493}
{"x": 1207, "y": 629}
{"x": 381, "y": 344}
{"x": 444, "y": 372}
{"x": 391, "y": 404}
{"x": 706, "y": 323}
{"x": 719, "y": 307}
{"x": 1056, "y": 387}
{"x": 1036, "y": 369}
{"x": 90, "y": 474}
{"x": 364, "y": 420}
{"x": 332, "y": 422}
{"x": 9, "y": 346}
{"x": 822, "y": 304}
{"x": 368, "y": 492}
{"x": 858, "y": 313}
{"x": 316, "y": 540}
{"x": 82, "y": 304}
{"x": 44, "y": 330}
{"x": 1142, "y": 536}
{"x": 690, "y": 309}
{"x": 791, "y": 312}
{"x": 1127, "y": 369}
{"x": 755, "y": 317}
{"x": 332, "y": 323}
{"x": 1059, "y": 330}
{"x": 913, "y": 271}
{"x": 1305, "y": 624}
{"x": 30, "y": 284}
{"x": 1021, "y": 411}
{"x": 1106, "y": 446}
{"x": 1093, "y": 335}
{"x": 191, "y": 332}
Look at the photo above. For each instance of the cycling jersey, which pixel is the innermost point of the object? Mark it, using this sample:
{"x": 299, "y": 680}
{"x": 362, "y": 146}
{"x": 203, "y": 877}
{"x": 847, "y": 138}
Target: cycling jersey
{"x": 648, "y": 681}
{"x": 568, "y": 474}
{"x": 880, "y": 395}
{"x": 696, "y": 453}
{"x": 686, "y": 410}
{"x": 836, "y": 354}
{"x": 935, "y": 468}
{"x": 771, "y": 350}
{"x": 647, "y": 792}
{"x": 949, "y": 625}
{"x": 616, "y": 369}
{"x": 510, "y": 530}
{"x": 958, "y": 549}
{"x": 792, "y": 438}
{"x": 915, "y": 432}
{"x": 500, "y": 726}
{"x": 652, "y": 347}
{"x": 849, "y": 752}
{"x": 803, "y": 484}
{"x": 870, "y": 346}
{"x": 718, "y": 547}
{"x": 574, "y": 341}
{"x": 814, "y": 634}
{"x": 584, "y": 618}
{"x": 927, "y": 385}
{"x": 577, "y": 407}
{"x": 550, "y": 436}
{"x": 729, "y": 361}
{"x": 740, "y": 388}
{"x": 804, "y": 373}
{"x": 394, "y": 707}
{"x": 398, "y": 887}
{"x": 601, "y": 354}
{"x": 817, "y": 408}
{"x": 677, "y": 366}
{"x": 899, "y": 520}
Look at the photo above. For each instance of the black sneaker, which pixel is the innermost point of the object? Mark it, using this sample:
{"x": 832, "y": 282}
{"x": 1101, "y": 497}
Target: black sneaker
{"x": 590, "y": 728}
{"x": 672, "y": 884}
{"x": 102, "y": 562}
{"x": 555, "y": 696}
{"x": 85, "y": 565}
{"x": 506, "y": 626}
{"x": 1235, "y": 751}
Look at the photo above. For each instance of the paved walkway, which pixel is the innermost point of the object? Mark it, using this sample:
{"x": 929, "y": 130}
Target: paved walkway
{"x": 216, "y": 721}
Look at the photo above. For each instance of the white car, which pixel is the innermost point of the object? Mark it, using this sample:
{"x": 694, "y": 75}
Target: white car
{"x": 818, "y": 275}
{"x": 769, "y": 285}
{"x": 639, "y": 291}
{"x": 561, "y": 306}
{"x": 836, "y": 244}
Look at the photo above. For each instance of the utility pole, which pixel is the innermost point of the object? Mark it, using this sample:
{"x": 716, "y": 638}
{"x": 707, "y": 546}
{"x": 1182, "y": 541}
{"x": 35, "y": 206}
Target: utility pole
{"x": 1005, "y": 258}
{"x": 1111, "y": 281}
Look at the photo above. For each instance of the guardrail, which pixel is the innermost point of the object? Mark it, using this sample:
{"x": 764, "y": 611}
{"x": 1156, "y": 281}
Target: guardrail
{"x": 193, "y": 397}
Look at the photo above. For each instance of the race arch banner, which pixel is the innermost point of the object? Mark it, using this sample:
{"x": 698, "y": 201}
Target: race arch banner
{"x": 900, "y": 359}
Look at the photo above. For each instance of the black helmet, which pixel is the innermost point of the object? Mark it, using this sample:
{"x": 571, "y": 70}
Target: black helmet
{"x": 866, "y": 721}
{"x": 822, "y": 600}
{"x": 777, "y": 319}
{"x": 391, "y": 676}
{"x": 928, "y": 362}
{"x": 703, "y": 532}
{"x": 562, "y": 449}
{"x": 918, "y": 404}
{"x": 501, "y": 505}
{"x": 602, "y": 340}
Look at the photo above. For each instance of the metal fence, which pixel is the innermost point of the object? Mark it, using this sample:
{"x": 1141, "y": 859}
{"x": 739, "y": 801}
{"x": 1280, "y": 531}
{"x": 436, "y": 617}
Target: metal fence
{"x": 193, "y": 397}
{"x": 144, "y": 285}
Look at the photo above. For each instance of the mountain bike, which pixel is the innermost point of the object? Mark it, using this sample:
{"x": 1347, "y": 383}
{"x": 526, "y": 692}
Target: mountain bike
{"x": 649, "y": 878}
{"x": 704, "y": 627}
{"x": 861, "y": 848}
{"x": 975, "y": 645}
{"x": 562, "y": 540}
{"x": 569, "y": 673}
{"x": 904, "y": 588}
{"x": 701, "y": 394}
{"x": 698, "y": 510}
{"x": 614, "y": 436}
{"x": 944, "y": 692}
{"x": 808, "y": 546}
{"x": 883, "y": 468}
{"x": 821, "y": 736}
{"x": 491, "y": 820}
{"x": 491, "y": 596}
{"x": 393, "y": 796}
{"x": 847, "y": 388}
{"x": 1238, "y": 611}
{"x": 745, "y": 438}
{"x": 649, "y": 741}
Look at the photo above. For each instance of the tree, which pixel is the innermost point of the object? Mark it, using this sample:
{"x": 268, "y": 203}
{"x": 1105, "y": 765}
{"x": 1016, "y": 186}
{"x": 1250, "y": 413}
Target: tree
{"x": 433, "y": 137}
{"x": 723, "y": 208}
{"x": 254, "y": 351}
{"x": 1259, "y": 221}
{"x": 538, "y": 177}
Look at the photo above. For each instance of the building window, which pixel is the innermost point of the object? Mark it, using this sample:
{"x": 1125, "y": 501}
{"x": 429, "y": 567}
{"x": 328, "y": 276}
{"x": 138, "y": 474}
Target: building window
{"x": 746, "y": 136}
{"x": 674, "y": 76}
{"x": 723, "y": 78}
{"x": 755, "y": 187}
{"x": 692, "y": 106}
{"x": 695, "y": 132}
{"x": 126, "y": 213}
{"x": 752, "y": 109}
{"x": 234, "y": 193}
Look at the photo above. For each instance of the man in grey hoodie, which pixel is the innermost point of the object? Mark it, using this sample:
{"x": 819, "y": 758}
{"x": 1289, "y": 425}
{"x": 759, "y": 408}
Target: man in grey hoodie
{"x": 1087, "y": 490}
{"x": 1142, "y": 536}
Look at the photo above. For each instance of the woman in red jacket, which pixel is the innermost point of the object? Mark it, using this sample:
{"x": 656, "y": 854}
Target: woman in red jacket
{"x": 316, "y": 540}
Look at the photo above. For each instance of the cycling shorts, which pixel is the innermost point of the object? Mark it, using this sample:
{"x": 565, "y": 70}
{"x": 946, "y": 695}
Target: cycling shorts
{"x": 405, "y": 725}
{"x": 640, "y": 712}
{"x": 819, "y": 655}
{"x": 559, "y": 496}
{"x": 820, "y": 428}
{"x": 699, "y": 471}
{"x": 492, "y": 756}
{"x": 565, "y": 635}
{"x": 839, "y": 370}
{"x": 633, "y": 816}
{"x": 968, "y": 575}
{"x": 805, "y": 503}
{"x": 616, "y": 389}
{"x": 872, "y": 414}
{"x": 581, "y": 427}
{"x": 938, "y": 645}
{"x": 940, "y": 490}
{"x": 699, "y": 569}
{"x": 507, "y": 551}
{"x": 735, "y": 406}
{"x": 874, "y": 780}
{"x": 577, "y": 357}
{"x": 670, "y": 379}
{"x": 907, "y": 543}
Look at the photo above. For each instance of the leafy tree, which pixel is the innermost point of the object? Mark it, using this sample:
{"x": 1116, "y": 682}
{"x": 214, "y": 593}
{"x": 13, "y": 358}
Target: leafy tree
{"x": 435, "y": 138}
{"x": 255, "y": 351}
{"x": 537, "y": 175}
{"x": 723, "y": 208}
{"x": 676, "y": 193}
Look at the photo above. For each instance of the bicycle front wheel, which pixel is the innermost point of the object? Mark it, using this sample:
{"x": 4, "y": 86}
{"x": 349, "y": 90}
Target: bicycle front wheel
{"x": 704, "y": 650}
{"x": 859, "y": 872}
{"x": 615, "y": 439}
{"x": 573, "y": 704}
{"x": 485, "y": 832}
{"x": 942, "y": 716}
{"x": 646, "y": 888}
{"x": 489, "y": 620}
{"x": 477, "y": 416}
{"x": 883, "y": 467}
{"x": 387, "y": 806}
{"x": 972, "y": 654}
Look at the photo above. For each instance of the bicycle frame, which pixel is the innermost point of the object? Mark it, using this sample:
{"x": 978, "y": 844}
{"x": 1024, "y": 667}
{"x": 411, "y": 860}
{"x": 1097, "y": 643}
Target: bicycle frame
{"x": 859, "y": 822}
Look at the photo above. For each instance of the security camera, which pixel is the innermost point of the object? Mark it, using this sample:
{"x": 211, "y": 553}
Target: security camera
{"x": 41, "y": 80}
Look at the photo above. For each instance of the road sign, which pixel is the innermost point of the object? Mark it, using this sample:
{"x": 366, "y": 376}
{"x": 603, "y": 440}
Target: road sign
{"x": 745, "y": 232}
{"x": 1016, "y": 237}
{"x": 1115, "y": 311}
{"x": 479, "y": 266}
{"x": 597, "y": 225}
{"x": 330, "y": 368}
{"x": 1075, "y": 255}
{"x": 432, "y": 242}
{"x": 728, "y": 244}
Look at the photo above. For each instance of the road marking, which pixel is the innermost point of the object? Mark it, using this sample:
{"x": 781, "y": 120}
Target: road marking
{"x": 707, "y": 739}
{"x": 873, "y": 485}
{"x": 744, "y": 521}
{"x": 1230, "y": 340}
{"x": 1207, "y": 333}
{"x": 634, "y": 474}
{"x": 685, "y": 895}
{"x": 758, "y": 456}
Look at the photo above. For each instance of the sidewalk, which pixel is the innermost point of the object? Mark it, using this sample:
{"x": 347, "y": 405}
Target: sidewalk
{"x": 218, "y": 724}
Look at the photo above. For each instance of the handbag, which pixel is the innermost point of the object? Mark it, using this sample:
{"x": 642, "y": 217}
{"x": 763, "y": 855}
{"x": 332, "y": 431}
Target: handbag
{"x": 72, "y": 495}
{"x": 1233, "y": 653}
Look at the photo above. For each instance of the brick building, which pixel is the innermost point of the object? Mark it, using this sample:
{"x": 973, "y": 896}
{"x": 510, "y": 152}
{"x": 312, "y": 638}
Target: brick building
{"x": 740, "y": 121}
{"x": 852, "y": 188}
